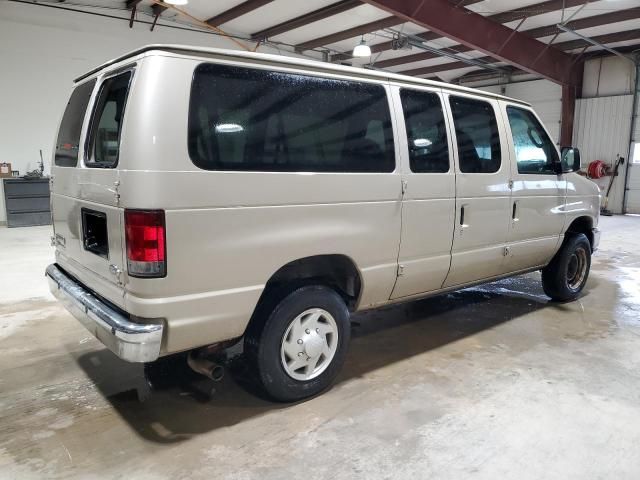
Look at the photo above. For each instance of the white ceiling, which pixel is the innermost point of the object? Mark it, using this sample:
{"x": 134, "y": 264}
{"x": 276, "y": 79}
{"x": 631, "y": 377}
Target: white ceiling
{"x": 279, "y": 11}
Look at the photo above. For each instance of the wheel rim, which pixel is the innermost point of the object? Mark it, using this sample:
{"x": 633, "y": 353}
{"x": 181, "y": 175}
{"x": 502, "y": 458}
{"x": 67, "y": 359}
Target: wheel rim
{"x": 309, "y": 344}
{"x": 577, "y": 268}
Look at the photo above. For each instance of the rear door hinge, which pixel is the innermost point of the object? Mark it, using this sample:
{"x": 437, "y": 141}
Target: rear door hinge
{"x": 510, "y": 184}
{"x": 116, "y": 272}
{"x": 116, "y": 192}
{"x": 400, "y": 270}
{"x": 404, "y": 187}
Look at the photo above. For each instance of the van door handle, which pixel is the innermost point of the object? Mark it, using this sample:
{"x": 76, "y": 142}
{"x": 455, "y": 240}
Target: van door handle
{"x": 462, "y": 218}
{"x": 514, "y": 212}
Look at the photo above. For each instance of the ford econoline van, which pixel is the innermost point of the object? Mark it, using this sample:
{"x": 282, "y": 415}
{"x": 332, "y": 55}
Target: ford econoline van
{"x": 202, "y": 197}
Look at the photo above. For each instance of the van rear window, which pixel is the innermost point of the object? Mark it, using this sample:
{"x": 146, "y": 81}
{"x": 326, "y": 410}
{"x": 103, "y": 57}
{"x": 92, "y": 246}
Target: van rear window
{"x": 257, "y": 120}
{"x": 68, "y": 142}
{"x": 103, "y": 144}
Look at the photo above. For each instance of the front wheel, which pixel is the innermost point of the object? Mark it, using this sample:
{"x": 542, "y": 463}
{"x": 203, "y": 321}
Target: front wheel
{"x": 565, "y": 277}
{"x": 300, "y": 346}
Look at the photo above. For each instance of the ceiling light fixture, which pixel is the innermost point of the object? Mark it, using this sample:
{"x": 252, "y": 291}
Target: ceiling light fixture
{"x": 176, "y": 2}
{"x": 362, "y": 49}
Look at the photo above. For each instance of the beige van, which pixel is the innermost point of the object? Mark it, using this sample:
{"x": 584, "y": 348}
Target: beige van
{"x": 203, "y": 196}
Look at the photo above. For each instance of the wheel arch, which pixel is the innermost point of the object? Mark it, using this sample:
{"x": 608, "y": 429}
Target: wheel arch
{"x": 583, "y": 224}
{"x": 337, "y": 271}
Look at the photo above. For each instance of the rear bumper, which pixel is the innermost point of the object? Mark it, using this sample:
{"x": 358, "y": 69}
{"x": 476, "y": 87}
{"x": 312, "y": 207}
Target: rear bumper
{"x": 133, "y": 342}
{"x": 596, "y": 239}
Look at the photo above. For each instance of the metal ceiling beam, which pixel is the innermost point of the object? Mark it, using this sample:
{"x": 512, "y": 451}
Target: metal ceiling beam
{"x": 485, "y": 35}
{"x": 419, "y": 57}
{"x": 320, "y": 14}
{"x": 133, "y": 5}
{"x": 157, "y": 9}
{"x": 546, "y": 31}
{"x": 237, "y": 11}
{"x": 606, "y": 38}
{"x": 478, "y": 75}
{"x": 350, "y": 33}
{"x": 587, "y": 22}
{"x": 503, "y": 17}
{"x": 595, "y": 43}
{"x": 569, "y": 45}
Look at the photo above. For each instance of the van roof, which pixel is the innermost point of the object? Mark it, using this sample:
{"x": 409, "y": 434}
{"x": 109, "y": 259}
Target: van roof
{"x": 206, "y": 52}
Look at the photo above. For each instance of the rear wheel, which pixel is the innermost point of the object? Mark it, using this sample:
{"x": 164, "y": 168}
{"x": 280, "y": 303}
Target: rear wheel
{"x": 298, "y": 347}
{"x": 565, "y": 277}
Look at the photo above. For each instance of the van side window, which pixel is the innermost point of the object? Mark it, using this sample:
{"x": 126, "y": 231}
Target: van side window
{"x": 258, "y": 120}
{"x": 103, "y": 145}
{"x": 535, "y": 152}
{"x": 477, "y": 135}
{"x": 68, "y": 142}
{"x": 426, "y": 132}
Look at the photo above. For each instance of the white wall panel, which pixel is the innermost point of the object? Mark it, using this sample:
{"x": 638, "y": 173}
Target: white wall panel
{"x": 633, "y": 193}
{"x": 544, "y": 96}
{"x": 601, "y": 132}
{"x": 608, "y": 76}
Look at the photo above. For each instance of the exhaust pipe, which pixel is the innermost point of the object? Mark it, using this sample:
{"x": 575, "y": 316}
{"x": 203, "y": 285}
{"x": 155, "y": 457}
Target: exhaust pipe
{"x": 205, "y": 367}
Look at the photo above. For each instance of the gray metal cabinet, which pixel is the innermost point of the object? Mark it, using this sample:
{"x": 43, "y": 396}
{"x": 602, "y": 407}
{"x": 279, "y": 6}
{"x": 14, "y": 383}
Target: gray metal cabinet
{"x": 27, "y": 202}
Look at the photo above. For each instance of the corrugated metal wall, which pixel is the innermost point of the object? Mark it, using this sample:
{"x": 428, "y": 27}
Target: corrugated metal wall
{"x": 601, "y": 131}
{"x": 633, "y": 194}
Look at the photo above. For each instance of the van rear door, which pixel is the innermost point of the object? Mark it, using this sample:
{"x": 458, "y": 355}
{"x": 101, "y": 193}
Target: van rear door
{"x": 87, "y": 217}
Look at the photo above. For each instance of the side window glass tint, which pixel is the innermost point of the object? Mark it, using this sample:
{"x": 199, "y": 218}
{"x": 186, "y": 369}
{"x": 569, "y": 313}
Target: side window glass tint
{"x": 535, "y": 152}
{"x": 426, "y": 132}
{"x": 258, "y": 120}
{"x": 68, "y": 142}
{"x": 106, "y": 125}
{"x": 476, "y": 134}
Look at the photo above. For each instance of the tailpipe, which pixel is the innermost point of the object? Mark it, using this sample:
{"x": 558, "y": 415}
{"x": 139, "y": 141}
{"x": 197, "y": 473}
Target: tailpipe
{"x": 205, "y": 367}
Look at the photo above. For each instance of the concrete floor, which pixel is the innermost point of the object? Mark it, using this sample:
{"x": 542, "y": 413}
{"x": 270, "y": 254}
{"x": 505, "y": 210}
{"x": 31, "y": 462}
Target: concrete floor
{"x": 490, "y": 382}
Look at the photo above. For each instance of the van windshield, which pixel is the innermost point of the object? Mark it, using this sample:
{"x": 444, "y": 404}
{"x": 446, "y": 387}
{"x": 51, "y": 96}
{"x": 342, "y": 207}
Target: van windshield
{"x": 258, "y": 120}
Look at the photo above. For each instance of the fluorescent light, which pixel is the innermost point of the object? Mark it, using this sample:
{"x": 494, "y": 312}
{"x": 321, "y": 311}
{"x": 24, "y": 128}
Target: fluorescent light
{"x": 362, "y": 50}
{"x": 177, "y": 2}
{"x": 228, "y": 128}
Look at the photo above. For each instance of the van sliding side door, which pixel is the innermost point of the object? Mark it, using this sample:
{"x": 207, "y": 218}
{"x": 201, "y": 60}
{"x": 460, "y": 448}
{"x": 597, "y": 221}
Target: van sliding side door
{"x": 428, "y": 207}
{"x": 482, "y": 189}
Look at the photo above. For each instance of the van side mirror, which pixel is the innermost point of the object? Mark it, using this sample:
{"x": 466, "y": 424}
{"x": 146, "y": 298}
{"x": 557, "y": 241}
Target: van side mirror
{"x": 570, "y": 160}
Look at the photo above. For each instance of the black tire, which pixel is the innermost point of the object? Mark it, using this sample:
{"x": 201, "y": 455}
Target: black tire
{"x": 565, "y": 277}
{"x": 264, "y": 338}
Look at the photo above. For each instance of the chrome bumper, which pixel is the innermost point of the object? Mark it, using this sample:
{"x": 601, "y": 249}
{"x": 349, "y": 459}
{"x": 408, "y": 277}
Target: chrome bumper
{"x": 133, "y": 342}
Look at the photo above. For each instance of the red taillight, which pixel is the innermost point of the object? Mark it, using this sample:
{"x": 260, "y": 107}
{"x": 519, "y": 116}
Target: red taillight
{"x": 145, "y": 237}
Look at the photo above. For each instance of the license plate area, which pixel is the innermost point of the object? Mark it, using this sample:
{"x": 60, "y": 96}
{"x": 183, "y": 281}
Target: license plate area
{"x": 94, "y": 232}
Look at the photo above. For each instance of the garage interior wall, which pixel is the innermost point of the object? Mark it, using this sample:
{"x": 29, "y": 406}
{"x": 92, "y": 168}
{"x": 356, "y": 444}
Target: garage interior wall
{"x": 543, "y": 95}
{"x": 633, "y": 192}
{"x": 43, "y": 50}
{"x": 602, "y": 118}
{"x": 601, "y": 131}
